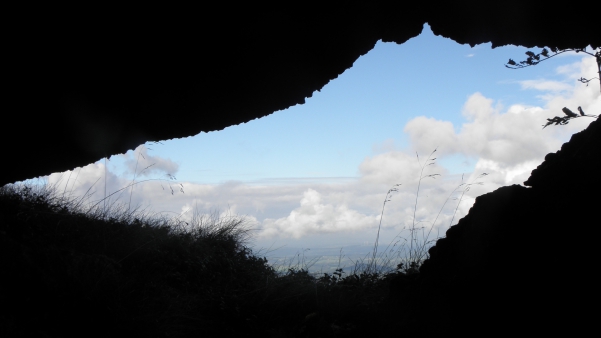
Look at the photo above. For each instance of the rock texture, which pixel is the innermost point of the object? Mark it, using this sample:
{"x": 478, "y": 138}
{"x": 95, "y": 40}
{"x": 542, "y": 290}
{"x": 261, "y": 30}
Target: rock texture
{"x": 524, "y": 258}
{"x": 87, "y": 82}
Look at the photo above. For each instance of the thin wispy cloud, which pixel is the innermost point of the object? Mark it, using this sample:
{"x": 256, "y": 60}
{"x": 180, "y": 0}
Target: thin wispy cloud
{"x": 545, "y": 85}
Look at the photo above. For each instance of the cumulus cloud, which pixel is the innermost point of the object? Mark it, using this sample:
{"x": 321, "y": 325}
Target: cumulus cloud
{"x": 90, "y": 179}
{"x": 313, "y": 216}
{"x": 507, "y": 143}
{"x": 141, "y": 163}
{"x": 428, "y": 134}
{"x": 391, "y": 168}
{"x": 510, "y": 142}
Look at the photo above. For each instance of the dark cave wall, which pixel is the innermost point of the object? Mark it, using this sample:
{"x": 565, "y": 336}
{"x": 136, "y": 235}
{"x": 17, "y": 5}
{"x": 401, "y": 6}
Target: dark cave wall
{"x": 104, "y": 80}
{"x": 524, "y": 257}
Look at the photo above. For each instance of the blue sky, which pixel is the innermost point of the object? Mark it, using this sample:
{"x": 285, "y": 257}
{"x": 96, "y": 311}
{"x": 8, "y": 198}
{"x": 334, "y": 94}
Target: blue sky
{"x": 364, "y": 108}
{"x": 315, "y": 175}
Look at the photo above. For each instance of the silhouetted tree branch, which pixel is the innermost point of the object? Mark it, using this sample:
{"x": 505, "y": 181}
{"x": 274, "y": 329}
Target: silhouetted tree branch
{"x": 557, "y": 120}
{"x": 534, "y": 59}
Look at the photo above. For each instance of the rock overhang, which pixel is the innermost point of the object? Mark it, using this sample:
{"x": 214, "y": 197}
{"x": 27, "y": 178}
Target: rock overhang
{"x": 100, "y": 84}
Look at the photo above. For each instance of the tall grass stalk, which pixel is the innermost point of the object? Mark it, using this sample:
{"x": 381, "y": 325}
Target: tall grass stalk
{"x": 417, "y": 251}
{"x": 375, "y": 250}
{"x": 106, "y": 198}
{"x": 467, "y": 188}
{"x": 421, "y": 176}
{"x": 166, "y": 276}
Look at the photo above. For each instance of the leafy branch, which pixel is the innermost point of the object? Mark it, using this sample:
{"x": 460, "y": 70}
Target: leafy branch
{"x": 563, "y": 120}
{"x": 534, "y": 59}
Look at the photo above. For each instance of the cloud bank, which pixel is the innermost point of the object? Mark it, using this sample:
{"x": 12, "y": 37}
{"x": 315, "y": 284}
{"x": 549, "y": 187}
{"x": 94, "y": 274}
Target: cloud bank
{"x": 504, "y": 142}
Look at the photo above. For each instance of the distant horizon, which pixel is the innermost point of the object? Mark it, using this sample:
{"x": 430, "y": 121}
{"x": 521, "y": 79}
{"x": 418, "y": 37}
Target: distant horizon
{"x": 316, "y": 175}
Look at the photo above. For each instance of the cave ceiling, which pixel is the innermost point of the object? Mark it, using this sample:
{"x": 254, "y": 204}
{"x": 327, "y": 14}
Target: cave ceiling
{"x": 83, "y": 87}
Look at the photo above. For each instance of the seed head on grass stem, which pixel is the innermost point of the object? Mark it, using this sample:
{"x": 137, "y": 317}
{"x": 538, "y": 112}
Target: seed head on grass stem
{"x": 417, "y": 252}
{"x": 467, "y": 188}
{"x": 387, "y": 199}
{"x": 421, "y": 176}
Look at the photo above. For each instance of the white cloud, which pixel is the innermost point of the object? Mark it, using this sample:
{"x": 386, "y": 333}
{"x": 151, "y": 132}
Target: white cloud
{"x": 141, "y": 163}
{"x": 586, "y": 67}
{"x": 570, "y": 70}
{"x": 394, "y": 167}
{"x": 97, "y": 183}
{"x": 508, "y": 138}
{"x": 314, "y": 216}
{"x": 545, "y": 85}
{"x": 505, "y": 143}
{"x": 89, "y": 182}
{"x": 428, "y": 134}
{"x": 510, "y": 143}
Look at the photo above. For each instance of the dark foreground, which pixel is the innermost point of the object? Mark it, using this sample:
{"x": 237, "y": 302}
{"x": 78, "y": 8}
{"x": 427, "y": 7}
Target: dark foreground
{"x": 524, "y": 260}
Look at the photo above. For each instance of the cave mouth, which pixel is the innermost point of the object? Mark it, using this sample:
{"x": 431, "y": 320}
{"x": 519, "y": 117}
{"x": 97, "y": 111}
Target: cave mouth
{"x": 74, "y": 80}
{"x": 359, "y": 130}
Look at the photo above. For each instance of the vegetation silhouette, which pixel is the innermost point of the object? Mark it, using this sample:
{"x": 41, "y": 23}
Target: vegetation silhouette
{"x": 418, "y": 247}
{"x": 534, "y": 59}
{"x": 73, "y": 266}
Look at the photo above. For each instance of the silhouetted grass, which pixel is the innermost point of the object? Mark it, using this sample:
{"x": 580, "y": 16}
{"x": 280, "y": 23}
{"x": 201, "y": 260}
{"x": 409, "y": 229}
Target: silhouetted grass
{"x": 77, "y": 268}
{"x": 396, "y": 256}
{"x": 72, "y": 271}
